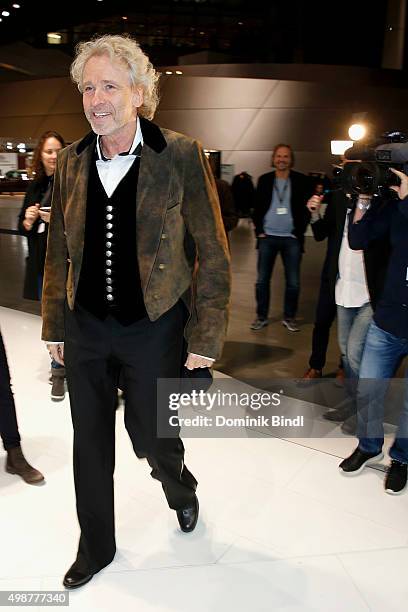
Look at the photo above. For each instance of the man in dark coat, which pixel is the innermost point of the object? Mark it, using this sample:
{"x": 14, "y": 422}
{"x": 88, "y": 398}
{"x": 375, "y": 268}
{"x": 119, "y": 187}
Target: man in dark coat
{"x": 280, "y": 218}
{"x": 387, "y": 341}
{"x": 227, "y": 204}
{"x": 243, "y": 191}
{"x": 135, "y": 241}
{"x": 361, "y": 289}
{"x": 228, "y": 212}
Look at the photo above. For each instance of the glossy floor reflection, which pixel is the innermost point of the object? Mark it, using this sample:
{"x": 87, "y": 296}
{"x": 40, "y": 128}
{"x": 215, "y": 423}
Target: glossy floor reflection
{"x": 280, "y": 528}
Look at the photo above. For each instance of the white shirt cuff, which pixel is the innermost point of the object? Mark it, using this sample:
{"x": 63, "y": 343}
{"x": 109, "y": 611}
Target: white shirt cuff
{"x": 209, "y": 358}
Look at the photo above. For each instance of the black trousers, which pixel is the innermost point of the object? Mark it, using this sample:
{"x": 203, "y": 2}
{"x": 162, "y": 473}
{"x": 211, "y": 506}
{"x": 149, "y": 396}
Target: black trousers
{"x": 325, "y": 315}
{"x": 8, "y": 420}
{"x": 96, "y": 352}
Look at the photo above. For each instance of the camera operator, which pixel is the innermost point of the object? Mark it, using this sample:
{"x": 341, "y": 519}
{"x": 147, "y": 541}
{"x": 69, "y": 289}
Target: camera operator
{"x": 387, "y": 340}
{"x": 353, "y": 282}
{"x": 325, "y": 227}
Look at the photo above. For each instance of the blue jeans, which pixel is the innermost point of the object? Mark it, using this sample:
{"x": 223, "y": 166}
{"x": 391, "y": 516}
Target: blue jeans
{"x": 352, "y": 327}
{"x": 289, "y": 249}
{"x": 382, "y": 354}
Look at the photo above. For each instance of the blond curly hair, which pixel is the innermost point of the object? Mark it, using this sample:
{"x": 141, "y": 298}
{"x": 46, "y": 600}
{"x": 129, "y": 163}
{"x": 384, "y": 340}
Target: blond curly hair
{"x": 124, "y": 49}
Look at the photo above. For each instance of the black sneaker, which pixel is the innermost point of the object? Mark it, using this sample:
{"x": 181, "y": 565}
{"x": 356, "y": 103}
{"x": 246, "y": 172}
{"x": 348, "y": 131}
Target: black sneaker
{"x": 290, "y": 324}
{"x": 396, "y": 478}
{"x": 259, "y": 324}
{"x": 353, "y": 465}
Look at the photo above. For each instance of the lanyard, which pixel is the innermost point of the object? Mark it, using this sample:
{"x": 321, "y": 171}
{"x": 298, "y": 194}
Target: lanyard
{"x": 281, "y": 195}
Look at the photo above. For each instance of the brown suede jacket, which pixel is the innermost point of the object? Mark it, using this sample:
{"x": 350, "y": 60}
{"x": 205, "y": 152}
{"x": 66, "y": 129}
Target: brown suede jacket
{"x": 182, "y": 248}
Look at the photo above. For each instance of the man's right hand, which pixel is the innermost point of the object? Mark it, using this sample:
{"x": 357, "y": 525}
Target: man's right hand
{"x": 314, "y": 203}
{"x": 56, "y": 352}
{"x": 402, "y": 189}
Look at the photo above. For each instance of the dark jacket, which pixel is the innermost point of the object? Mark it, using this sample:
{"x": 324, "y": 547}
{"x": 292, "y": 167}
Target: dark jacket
{"x": 37, "y": 243}
{"x": 243, "y": 191}
{"x": 177, "y": 218}
{"x": 389, "y": 222}
{"x": 331, "y": 226}
{"x": 300, "y": 193}
{"x": 228, "y": 213}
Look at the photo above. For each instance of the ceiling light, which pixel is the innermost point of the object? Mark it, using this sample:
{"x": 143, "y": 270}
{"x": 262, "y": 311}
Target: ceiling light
{"x": 179, "y": 72}
{"x": 169, "y": 72}
{"x": 5, "y": 14}
{"x": 357, "y": 131}
{"x": 16, "y": 6}
{"x": 53, "y": 38}
{"x": 124, "y": 18}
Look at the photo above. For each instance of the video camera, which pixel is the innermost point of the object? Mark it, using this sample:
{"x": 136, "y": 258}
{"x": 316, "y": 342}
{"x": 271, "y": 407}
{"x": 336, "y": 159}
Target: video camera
{"x": 371, "y": 174}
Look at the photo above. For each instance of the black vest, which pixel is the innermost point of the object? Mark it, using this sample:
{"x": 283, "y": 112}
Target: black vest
{"x": 109, "y": 282}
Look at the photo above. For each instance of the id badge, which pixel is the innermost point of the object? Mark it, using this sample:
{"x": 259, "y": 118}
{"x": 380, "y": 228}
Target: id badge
{"x": 281, "y": 210}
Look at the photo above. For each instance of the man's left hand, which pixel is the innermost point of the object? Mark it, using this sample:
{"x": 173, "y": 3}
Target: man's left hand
{"x": 195, "y": 361}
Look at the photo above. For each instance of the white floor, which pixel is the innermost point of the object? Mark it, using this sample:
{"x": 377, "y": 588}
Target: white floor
{"x": 280, "y": 528}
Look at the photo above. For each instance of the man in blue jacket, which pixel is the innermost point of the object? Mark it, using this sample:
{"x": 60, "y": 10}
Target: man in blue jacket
{"x": 386, "y": 343}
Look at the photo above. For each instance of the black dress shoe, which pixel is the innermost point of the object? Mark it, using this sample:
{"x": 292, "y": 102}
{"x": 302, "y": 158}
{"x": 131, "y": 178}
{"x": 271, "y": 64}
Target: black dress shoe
{"x": 187, "y": 517}
{"x": 76, "y": 577}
